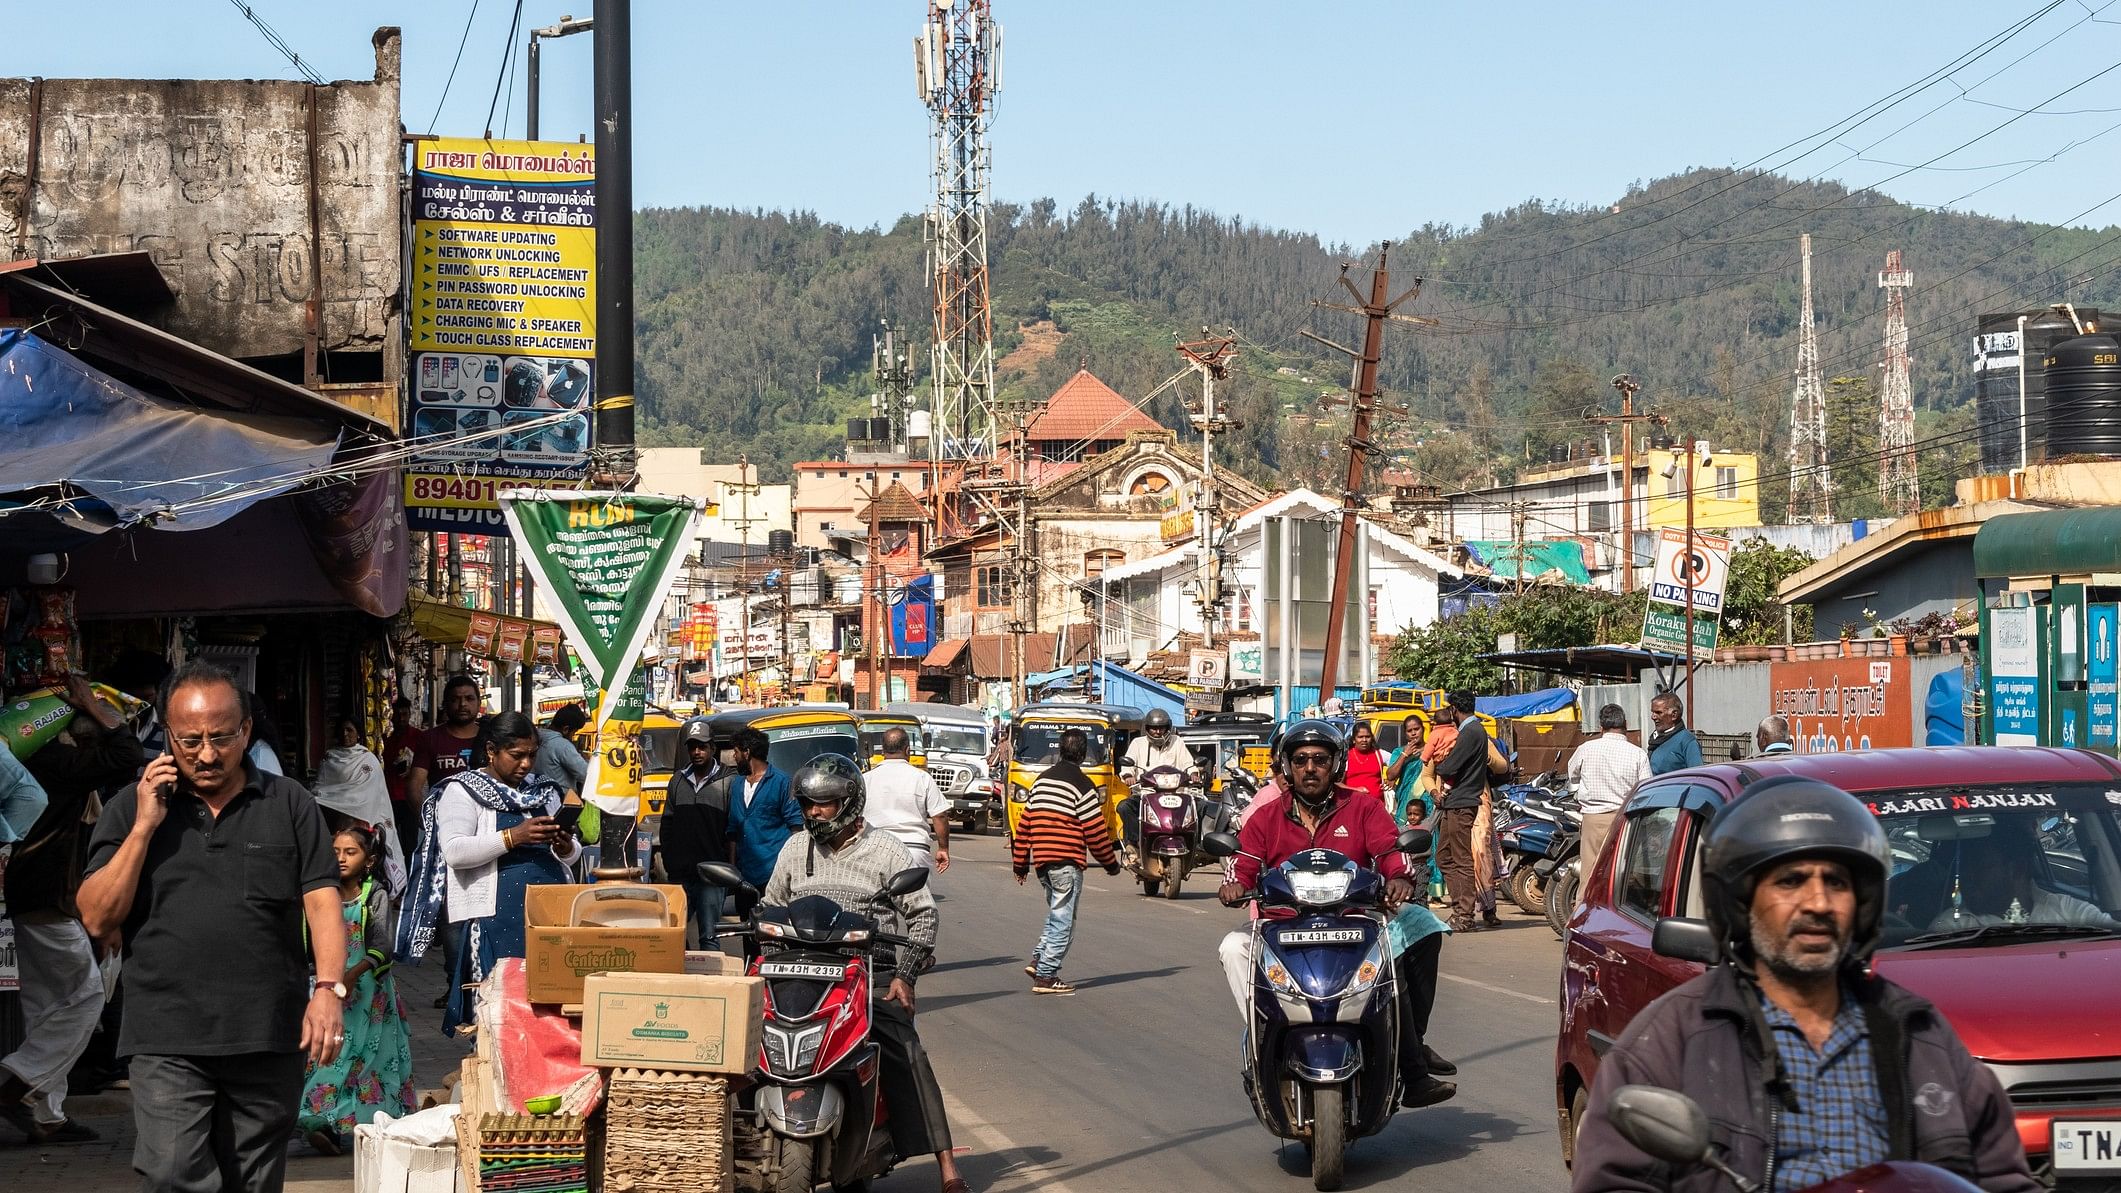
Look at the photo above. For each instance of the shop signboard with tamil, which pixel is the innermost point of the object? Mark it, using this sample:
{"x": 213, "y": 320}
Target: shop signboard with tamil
{"x": 1835, "y": 705}
{"x": 503, "y": 321}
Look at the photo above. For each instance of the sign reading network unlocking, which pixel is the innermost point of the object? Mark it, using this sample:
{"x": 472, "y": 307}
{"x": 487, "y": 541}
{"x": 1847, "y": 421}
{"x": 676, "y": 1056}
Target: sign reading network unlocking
{"x": 503, "y": 325}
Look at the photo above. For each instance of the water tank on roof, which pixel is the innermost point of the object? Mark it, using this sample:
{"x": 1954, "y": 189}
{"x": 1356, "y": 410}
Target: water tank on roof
{"x": 2007, "y": 441}
{"x": 780, "y": 543}
{"x": 2083, "y": 396}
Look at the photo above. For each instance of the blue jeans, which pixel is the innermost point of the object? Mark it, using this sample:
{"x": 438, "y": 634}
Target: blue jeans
{"x": 1064, "y": 893}
{"x": 703, "y": 902}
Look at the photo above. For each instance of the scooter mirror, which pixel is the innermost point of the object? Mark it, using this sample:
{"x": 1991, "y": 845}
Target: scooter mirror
{"x": 1417, "y": 841}
{"x": 1684, "y": 939}
{"x": 906, "y": 881}
{"x": 1219, "y": 844}
{"x": 726, "y": 876}
{"x": 1664, "y": 1123}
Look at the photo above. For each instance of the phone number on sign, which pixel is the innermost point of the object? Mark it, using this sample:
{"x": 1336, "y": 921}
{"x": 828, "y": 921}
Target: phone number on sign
{"x": 443, "y": 491}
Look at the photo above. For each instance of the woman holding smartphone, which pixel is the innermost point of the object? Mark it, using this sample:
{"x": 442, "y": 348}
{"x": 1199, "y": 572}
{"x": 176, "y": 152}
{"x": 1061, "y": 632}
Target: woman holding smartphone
{"x": 489, "y": 833}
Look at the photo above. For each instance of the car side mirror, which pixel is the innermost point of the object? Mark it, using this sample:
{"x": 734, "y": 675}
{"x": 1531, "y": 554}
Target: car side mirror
{"x": 906, "y": 881}
{"x": 1416, "y": 841}
{"x": 1220, "y": 844}
{"x": 1684, "y": 939}
{"x": 1664, "y": 1124}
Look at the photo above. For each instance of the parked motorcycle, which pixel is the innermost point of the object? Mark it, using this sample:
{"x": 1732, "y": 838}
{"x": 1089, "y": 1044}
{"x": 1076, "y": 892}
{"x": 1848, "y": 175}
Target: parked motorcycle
{"x": 1530, "y": 817}
{"x": 1166, "y": 845}
{"x": 814, "y": 1112}
{"x": 1562, "y": 871}
{"x": 1321, "y": 1049}
{"x": 1671, "y": 1127}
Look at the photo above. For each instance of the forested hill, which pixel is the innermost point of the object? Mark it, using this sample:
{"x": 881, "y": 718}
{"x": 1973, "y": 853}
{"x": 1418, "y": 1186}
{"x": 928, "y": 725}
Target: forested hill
{"x": 755, "y": 326}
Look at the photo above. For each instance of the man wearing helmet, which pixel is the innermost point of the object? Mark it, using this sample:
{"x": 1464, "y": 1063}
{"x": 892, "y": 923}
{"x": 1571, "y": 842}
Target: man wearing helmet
{"x": 1807, "y": 1065}
{"x": 842, "y": 859}
{"x": 695, "y": 827}
{"x": 1157, "y": 747}
{"x": 1321, "y": 812}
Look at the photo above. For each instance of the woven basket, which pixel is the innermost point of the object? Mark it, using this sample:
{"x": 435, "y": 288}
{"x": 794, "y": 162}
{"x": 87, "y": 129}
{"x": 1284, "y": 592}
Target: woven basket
{"x": 666, "y": 1133}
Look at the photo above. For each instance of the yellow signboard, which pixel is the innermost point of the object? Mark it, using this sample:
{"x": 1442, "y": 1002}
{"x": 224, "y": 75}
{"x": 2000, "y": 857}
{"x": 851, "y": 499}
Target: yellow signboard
{"x": 1177, "y": 526}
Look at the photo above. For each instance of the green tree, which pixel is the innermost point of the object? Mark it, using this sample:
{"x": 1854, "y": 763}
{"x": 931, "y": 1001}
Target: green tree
{"x": 1752, "y": 608}
{"x": 1444, "y": 653}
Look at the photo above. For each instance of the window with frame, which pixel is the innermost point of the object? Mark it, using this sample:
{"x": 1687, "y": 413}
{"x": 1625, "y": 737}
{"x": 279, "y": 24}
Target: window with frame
{"x": 1095, "y": 562}
{"x": 1598, "y": 515}
{"x": 991, "y": 582}
{"x": 1676, "y": 484}
{"x": 1727, "y": 484}
{"x": 1644, "y": 860}
{"x": 1244, "y": 609}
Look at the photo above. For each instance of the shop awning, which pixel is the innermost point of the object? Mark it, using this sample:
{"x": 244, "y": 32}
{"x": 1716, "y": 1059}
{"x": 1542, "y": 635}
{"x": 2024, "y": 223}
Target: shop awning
{"x": 82, "y": 452}
{"x": 945, "y": 654}
{"x": 2073, "y": 542}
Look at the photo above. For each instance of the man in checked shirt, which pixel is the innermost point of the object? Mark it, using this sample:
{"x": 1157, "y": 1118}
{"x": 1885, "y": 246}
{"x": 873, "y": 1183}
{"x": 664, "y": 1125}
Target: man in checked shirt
{"x": 1807, "y": 1065}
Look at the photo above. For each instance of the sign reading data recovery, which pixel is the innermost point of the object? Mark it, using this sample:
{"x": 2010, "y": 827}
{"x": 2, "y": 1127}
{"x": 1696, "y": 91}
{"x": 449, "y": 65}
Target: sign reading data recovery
{"x": 503, "y": 325}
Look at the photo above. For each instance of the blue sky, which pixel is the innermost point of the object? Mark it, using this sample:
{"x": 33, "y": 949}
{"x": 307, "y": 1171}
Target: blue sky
{"x": 1244, "y": 107}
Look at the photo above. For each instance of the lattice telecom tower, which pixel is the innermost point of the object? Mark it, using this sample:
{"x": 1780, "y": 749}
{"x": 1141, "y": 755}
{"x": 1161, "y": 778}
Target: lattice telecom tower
{"x": 957, "y": 67}
{"x": 1899, "y": 485}
{"x": 1811, "y": 484}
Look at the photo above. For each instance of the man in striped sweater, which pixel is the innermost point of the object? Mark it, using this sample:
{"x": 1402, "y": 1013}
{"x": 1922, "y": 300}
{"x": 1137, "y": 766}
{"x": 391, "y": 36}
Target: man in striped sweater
{"x": 1062, "y": 826}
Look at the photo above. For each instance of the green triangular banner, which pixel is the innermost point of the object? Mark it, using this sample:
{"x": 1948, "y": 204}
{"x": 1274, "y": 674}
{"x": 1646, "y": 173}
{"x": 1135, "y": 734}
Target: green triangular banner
{"x": 606, "y": 561}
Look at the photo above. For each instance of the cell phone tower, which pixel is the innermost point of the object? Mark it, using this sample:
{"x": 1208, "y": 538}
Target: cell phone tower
{"x": 957, "y": 69}
{"x": 1899, "y": 485}
{"x": 1811, "y": 482}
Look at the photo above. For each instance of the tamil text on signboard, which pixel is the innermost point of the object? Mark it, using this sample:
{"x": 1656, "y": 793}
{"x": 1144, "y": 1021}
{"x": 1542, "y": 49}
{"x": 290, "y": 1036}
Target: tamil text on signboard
{"x": 1844, "y": 704}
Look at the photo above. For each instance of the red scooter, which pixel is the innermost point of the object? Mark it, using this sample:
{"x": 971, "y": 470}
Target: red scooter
{"x": 1671, "y": 1127}
{"x": 814, "y": 1112}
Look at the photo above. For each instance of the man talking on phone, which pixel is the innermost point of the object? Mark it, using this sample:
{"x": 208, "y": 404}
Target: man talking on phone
{"x": 210, "y": 870}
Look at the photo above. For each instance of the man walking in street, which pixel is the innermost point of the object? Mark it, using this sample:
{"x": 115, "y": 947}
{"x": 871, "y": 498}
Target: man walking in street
{"x": 1604, "y": 770}
{"x": 1464, "y": 776}
{"x": 212, "y": 870}
{"x": 1062, "y": 827}
{"x": 905, "y": 802}
{"x": 1773, "y": 737}
{"x": 762, "y": 814}
{"x": 1673, "y": 746}
{"x": 695, "y": 827}
{"x": 62, "y": 986}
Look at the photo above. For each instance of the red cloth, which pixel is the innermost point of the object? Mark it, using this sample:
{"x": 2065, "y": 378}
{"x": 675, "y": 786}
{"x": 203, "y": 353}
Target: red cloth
{"x": 1366, "y": 772}
{"x": 399, "y": 749}
{"x": 1357, "y": 826}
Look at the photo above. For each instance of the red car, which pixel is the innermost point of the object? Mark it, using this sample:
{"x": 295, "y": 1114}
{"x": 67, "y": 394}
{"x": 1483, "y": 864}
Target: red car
{"x": 2003, "y": 909}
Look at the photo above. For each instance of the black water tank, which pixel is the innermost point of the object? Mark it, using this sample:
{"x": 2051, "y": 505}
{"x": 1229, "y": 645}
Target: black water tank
{"x": 780, "y": 543}
{"x": 1996, "y": 396}
{"x": 2083, "y": 390}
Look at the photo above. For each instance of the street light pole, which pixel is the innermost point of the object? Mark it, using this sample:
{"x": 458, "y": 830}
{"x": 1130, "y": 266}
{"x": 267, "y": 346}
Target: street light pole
{"x": 567, "y": 27}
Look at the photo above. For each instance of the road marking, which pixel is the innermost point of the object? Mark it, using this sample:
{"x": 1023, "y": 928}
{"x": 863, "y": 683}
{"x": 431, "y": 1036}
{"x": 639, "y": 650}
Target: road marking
{"x": 1492, "y": 989}
{"x": 991, "y": 1139}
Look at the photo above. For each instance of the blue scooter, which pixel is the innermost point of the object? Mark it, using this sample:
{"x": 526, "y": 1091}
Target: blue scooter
{"x": 1322, "y": 1046}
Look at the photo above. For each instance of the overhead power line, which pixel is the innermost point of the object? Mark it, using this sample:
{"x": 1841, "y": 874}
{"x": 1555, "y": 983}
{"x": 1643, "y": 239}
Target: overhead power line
{"x": 278, "y": 42}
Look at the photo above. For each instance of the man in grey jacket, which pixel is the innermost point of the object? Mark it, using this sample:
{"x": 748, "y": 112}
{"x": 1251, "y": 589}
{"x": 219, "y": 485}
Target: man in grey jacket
{"x": 1806, "y": 1065}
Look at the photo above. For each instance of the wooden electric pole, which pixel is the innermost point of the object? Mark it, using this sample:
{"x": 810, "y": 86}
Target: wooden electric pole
{"x": 1375, "y": 308}
{"x": 1627, "y": 418}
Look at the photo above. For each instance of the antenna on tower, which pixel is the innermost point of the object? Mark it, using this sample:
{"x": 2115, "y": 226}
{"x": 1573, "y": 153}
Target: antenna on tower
{"x": 957, "y": 70}
{"x": 1811, "y": 484}
{"x": 1899, "y": 485}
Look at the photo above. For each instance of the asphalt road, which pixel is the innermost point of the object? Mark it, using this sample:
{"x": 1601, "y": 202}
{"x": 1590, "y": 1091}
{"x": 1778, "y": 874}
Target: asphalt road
{"x": 1132, "y": 1083}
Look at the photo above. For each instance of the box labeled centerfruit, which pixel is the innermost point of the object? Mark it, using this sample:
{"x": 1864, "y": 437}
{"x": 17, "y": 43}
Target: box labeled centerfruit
{"x": 570, "y": 932}
{"x": 687, "y": 1022}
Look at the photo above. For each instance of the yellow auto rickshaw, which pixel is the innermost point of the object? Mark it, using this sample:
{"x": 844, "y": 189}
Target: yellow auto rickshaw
{"x": 660, "y": 757}
{"x": 1035, "y": 745}
{"x": 1220, "y": 738}
{"x": 795, "y": 734}
{"x": 874, "y": 725}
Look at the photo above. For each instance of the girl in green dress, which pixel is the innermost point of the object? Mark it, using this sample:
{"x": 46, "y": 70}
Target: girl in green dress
{"x": 373, "y": 1071}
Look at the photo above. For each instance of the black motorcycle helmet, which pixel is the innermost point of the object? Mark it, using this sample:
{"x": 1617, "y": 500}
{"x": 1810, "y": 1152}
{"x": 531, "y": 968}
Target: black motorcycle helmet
{"x": 825, "y": 779}
{"x": 1312, "y": 732}
{"x": 1775, "y": 820}
{"x": 1157, "y": 719}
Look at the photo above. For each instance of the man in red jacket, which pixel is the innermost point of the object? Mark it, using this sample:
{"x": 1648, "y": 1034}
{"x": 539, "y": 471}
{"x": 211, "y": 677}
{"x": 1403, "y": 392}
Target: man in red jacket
{"x": 1320, "y": 812}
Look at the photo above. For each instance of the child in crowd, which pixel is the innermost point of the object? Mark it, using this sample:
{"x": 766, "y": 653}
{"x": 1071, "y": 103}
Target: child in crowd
{"x": 373, "y": 1071}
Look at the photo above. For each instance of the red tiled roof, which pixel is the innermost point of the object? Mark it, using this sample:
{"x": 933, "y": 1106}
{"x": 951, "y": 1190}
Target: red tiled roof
{"x": 1087, "y": 409}
{"x": 897, "y": 504}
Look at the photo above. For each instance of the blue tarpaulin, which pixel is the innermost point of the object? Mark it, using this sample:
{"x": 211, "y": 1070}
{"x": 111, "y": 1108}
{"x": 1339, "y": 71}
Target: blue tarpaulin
{"x": 1528, "y": 704}
{"x": 92, "y": 453}
{"x": 1117, "y": 685}
{"x": 1045, "y": 678}
{"x": 1944, "y": 714}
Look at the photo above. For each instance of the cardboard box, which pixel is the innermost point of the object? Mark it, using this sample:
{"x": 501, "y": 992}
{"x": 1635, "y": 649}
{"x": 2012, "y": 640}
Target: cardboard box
{"x": 559, "y": 954}
{"x": 714, "y": 963}
{"x": 399, "y": 1166}
{"x": 685, "y": 1022}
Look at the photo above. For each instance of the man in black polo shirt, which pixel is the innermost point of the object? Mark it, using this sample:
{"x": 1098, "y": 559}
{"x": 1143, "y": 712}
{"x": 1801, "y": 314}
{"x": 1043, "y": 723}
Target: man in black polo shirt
{"x": 210, "y": 868}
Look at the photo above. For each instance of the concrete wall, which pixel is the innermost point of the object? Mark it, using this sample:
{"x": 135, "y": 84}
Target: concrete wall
{"x": 213, "y": 178}
{"x": 1938, "y": 578}
{"x": 833, "y": 492}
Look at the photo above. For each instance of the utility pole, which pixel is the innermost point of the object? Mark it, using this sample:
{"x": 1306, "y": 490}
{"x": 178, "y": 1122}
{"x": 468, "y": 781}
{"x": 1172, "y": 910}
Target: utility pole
{"x": 1899, "y": 485}
{"x": 1376, "y": 308}
{"x": 744, "y": 488}
{"x": 567, "y": 27}
{"x": 1517, "y": 516}
{"x": 1693, "y": 461}
{"x": 876, "y": 618}
{"x": 614, "y": 259}
{"x": 1627, "y": 418}
{"x": 1811, "y": 485}
{"x": 1210, "y": 357}
{"x": 1026, "y": 600}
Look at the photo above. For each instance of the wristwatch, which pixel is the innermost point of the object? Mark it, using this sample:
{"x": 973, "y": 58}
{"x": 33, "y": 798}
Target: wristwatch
{"x": 338, "y": 989}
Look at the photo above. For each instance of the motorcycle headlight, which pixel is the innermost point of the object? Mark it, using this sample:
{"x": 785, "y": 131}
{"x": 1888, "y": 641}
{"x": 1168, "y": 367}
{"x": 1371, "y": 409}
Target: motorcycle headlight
{"x": 1320, "y": 890}
{"x": 1167, "y": 782}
